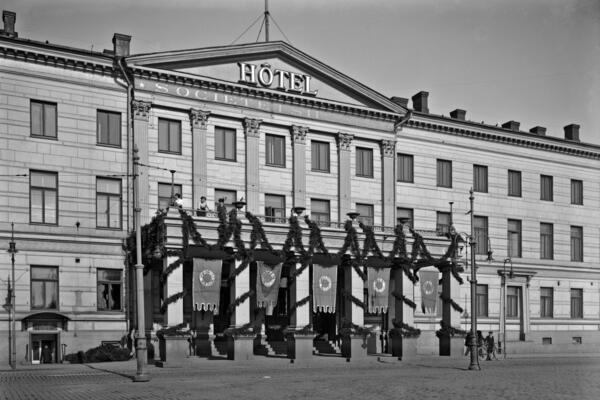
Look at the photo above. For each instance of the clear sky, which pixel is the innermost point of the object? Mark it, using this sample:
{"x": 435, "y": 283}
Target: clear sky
{"x": 533, "y": 61}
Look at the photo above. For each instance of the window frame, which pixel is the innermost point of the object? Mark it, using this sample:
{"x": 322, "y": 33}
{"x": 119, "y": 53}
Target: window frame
{"x": 577, "y": 192}
{"x": 546, "y": 302}
{"x": 44, "y": 189}
{"x": 410, "y": 211}
{"x": 550, "y": 235}
{"x": 31, "y": 290}
{"x": 440, "y": 227}
{"x": 368, "y": 219}
{"x": 109, "y": 196}
{"x": 401, "y": 174}
{"x": 271, "y": 148}
{"x": 577, "y": 308}
{"x": 519, "y": 232}
{"x": 229, "y": 201}
{"x": 110, "y": 283}
{"x": 576, "y": 248}
{"x": 175, "y": 191}
{"x": 546, "y": 181}
{"x": 317, "y": 216}
{"x": 517, "y": 302}
{"x": 318, "y": 144}
{"x": 482, "y": 298}
{"x": 170, "y": 123}
{"x": 43, "y": 104}
{"x": 515, "y": 174}
{"x": 360, "y": 169}
{"x": 440, "y": 178}
{"x": 270, "y": 212}
{"x": 120, "y": 133}
{"x": 478, "y": 232}
{"x": 480, "y": 173}
{"x": 224, "y": 131}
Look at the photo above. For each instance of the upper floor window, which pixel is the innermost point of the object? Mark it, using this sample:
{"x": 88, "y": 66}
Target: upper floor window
{"x": 480, "y": 178}
{"x": 319, "y": 211}
{"x": 576, "y": 243}
{"x": 546, "y": 188}
{"x": 169, "y": 136}
{"x": 165, "y": 197}
{"x": 108, "y": 203}
{"x": 405, "y": 168}
{"x": 44, "y": 288}
{"x": 546, "y": 302}
{"x": 225, "y": 148}
{"x": 444, "y": 173}
{"x": 513, "y": 301}
{"x": 109, "y": 290}
{"x": 227, "y": 196}
{"x": 514, "y": 183}
{"x": 108, "y": 130}
{"x": 481, "y": 234}
{"x": 364, "y": 162}
{"x": 546, "y": 241}
{"x": 366, "y": 213}
{"x": 319, "y": 156}
{"x": 405, "y": 214}
{"x": 514, "y": 238}
{"x": 482, "y": 300}
{"x": 43, "y": 197}
{"x": 576, "y": 191}
{"x": 43, "y": 119}
{"x": 274, "y": 208}
{"x": 275, "y": 151}
{"x": 443, "y": 222}
{"x": 576, "y": 303}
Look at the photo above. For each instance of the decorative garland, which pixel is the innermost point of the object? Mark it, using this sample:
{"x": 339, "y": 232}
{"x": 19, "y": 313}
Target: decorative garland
{"x": 404, "y": 299}
{"x": 172, "y": 267}
{"x": 189, "y": 228}
{"x": 399, "y": 247}
{"x": 258, "y": 234}
{"x": 356, "y": 267}
{"x": 294, "y": 237}
{"x": 401, "y": 329}
{"x": 348, "y": 329}
{"x": 449, "y": 331}
{"x": 299, "y": 303}
{"x": 177, "y": 330}
{"x": 289, "y": 333}
{"x": 348, "y": 295}
{"x": 370, "y": 244}
{"x": 239, "y": 301}
{"x": 351, "y": 241}
{"x": 247, "y": 329}
{"x": 315, "y": 241}
{"x": 171, "y": 299}
{"x": 447, "y": 299}
{"x": 294, "y": 274}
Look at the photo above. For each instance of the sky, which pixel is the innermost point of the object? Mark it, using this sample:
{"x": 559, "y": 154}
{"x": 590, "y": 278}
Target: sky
{"x": 532, "y": 61}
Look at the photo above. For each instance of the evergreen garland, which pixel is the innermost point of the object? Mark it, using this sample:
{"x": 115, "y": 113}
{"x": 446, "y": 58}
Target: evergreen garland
{"x": 404, "y": 299}
{"x": 356, "y": 267}
{"x": 297, "y": 304}
{"x": 348, "y": 329}
{"x": 172, "y": 267}
{"x": 399, "y": 247}
{"x": 449, "y": 331}
{"x": 258, "y": 235}
{"x": 369, "y": 244}
{"x": 305, "y": 263}
{"x": 315, "y": 241}
{"x": 239, "y": 301}
{"x": 348, "y": 295}
{"x": 401, "y": 329}
{"x": 294, "y": 237}
{"x": 176, "y": 330}
{"x": 249, "y": 329}
{"x": 304, "y": 331}
{"x": 235, "y": 272}
{"x": 171, "y": 299}
{"x": 189, "y": 228}
{"x": 351, "y": 241}
{"x": 447, "y": 299}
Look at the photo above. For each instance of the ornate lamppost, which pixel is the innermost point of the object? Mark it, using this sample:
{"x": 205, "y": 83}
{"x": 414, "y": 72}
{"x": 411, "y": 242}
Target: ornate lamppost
{"x": 474, "y": 365}
{"x": 503, "y": 343}
{"x": 12, "y": 342}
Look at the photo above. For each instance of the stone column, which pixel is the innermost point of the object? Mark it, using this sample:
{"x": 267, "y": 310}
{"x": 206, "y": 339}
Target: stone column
{"x": 354, "y": 346}
{"x": 199, "y": 122}
{"x": 344, "y": 141}
{"x": 174, "y": 284}
{"x": 141, "y": 110}
{"x": 300, "y": 344}
{"x": 252, "y": 132}
{"x": 242, "y": 344}
{"x": 299, "y": 166}
{"x": 388, "y": 181}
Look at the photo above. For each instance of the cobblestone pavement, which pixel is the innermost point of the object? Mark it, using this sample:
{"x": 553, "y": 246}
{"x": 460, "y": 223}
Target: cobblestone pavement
{"x": 321, "y": 378}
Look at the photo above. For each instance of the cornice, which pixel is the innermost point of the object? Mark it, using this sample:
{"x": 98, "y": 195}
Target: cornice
{"x": 503, "y": 138}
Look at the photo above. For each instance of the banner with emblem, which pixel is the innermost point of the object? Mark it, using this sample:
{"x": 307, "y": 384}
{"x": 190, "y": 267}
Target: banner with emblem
{"x": 324, "y": 288}
{"x": 267, "y": 285}
{"x": 379, "y": 284}
{"x": 429, "y": 291}
{"x": 206, "y": 284}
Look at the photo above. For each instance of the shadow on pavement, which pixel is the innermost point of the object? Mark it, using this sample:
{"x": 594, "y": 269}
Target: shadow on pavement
{"x": 109, "y": 371}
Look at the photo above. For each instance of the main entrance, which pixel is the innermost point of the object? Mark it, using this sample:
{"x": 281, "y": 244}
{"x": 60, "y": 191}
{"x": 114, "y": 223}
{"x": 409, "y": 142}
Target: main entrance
{"x": 45, "y": 348}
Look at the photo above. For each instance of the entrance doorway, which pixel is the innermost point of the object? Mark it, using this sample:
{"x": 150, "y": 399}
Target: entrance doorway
{"x": 45, "y": 348}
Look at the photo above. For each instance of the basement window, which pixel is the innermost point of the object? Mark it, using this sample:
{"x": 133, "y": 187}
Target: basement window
{"x": 547, "y": 340}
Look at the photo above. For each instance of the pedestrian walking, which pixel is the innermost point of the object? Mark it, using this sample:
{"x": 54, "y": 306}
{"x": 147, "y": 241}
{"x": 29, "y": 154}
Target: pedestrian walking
{"x": 490, "y": 346}
{"x": 468, "y": 340}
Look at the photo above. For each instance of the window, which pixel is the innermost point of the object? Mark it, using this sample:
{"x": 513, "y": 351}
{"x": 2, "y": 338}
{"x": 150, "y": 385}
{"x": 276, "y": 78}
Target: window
{"x": 546, "y": 340}
{"x": 444, "y": 173}
{"x": 576, "y": 303}
{"x": 109, "y": 290}
{"x": 514, "y": 183}
{"x": 482, "y": 300}
{"x": 169, "y": 136}
{"x": 576, "y": 243}
{"x": 43, "y": 197}
{"x": 364, "y": 162}
{"x": 274, "y": 208}
{"x": 164, "y": 194}
{"x": 443, "y": 223}
{"x": 229, "y": 196}
{"x": 366, "y": 213}
{"x": 319, "y": 211}
{"x": 405, "y": 213}
{"x": 319, "y": 156}
{"x": 481, "y": 234}
{"x": 225, "y": 148}
{"x": 513, "y": 296}
{"x": 405, "y": 168}
{"x": 514, "y": 238}
{"x": 480, "y": 178}
{"x": 546, "y": 241}
{"x": 546, "y": 189}
{"x": 576, "y": 192}
{"x": 44, "y": 288}
{"x": 546, "y": 302}
{"x": 108, "y": 128}
{"x": 43, "y": 119}
{"x": 275, "y": 150}
{"x": 576, "y": 340}
{"x": 108, "y": 203}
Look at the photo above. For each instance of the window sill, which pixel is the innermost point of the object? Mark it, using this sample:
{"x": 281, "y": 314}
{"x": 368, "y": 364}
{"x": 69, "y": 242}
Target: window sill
{"x": 44, "y": 137}
{"x": 275, "y": 166}
{"x": 175, "y": 153}
{"x": 43, "y": 223}
{"x": 320, "y": 171}
{"x": 114, "y": 146}
{"x": 106, "y": 228}
{"x": 226, "y": 159}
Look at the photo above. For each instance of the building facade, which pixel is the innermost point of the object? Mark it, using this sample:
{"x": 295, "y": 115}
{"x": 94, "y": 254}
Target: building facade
{"x": 268, "y": 123}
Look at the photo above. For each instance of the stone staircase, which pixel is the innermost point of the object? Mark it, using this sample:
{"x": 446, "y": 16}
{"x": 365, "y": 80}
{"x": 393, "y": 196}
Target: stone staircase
{"x": 326, "y": 347}
{"x": 219, "y": 347}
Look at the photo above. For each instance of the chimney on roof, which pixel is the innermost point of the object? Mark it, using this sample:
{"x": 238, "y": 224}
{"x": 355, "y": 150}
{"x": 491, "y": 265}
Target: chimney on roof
{"x": 511, "y": 125}
{"x": 538, "y": 130}
{"x": 420, "y": 102}
{"x": 9, "y": 17}
{"x": 572, "y": 132}
{"x": 458, "y": 114}
{"x": 121, "y": 44}
{"x": 401, "y": 101}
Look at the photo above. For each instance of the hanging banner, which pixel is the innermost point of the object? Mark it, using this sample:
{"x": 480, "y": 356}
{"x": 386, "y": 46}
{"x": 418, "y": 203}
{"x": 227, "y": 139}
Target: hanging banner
{"x": 267, "y": 285}
{"x": 429, "y": 291}
{"x": 379, "y": 284}
{"x": 324, "y": 288}
{"x": 206, "y": 284}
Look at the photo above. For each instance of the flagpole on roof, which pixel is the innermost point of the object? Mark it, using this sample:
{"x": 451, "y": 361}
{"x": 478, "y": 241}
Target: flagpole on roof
{"x": 266, "y": 20}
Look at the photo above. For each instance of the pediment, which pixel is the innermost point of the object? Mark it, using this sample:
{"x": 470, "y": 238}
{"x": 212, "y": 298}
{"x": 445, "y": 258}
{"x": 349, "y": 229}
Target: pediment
{"x": 270, "y": 66}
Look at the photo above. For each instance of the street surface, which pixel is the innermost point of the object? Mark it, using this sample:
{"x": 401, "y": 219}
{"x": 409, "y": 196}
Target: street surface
{"x": 559, "y": 377}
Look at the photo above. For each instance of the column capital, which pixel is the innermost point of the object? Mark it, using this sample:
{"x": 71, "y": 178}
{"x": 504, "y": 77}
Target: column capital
{"x": 141, "y": 109}
{"x": 388, "y": 148}
{"x": 344, "y": 140}
{"x": 252, "y": 126}
{"x": 199, "y": 118}
{"x": 299, "y": 134}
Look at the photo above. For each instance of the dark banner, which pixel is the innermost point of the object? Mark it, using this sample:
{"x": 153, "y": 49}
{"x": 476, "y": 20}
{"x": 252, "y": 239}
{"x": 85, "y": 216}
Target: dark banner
{"x": 379, "y": 288}
{"x": 206, "y": 284}
{"x": 429, "y": 291}
{"x": 267, "y": 285}
{"x": 324, "y": 288}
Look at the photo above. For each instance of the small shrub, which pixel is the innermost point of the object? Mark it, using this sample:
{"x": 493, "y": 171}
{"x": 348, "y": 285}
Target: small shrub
{"x": 103, "y": 353}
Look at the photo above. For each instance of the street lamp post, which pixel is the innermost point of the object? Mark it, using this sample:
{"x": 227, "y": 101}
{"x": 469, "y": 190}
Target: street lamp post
{"x": 12, "y": 342}
{"x": 506, "y": 260}
{"x": 140, "y": 344}
{"x": 474, "y": 365}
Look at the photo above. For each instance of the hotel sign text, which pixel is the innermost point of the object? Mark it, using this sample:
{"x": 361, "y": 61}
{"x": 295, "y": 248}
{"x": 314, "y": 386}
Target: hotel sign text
{"x": 268, "y": 77}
